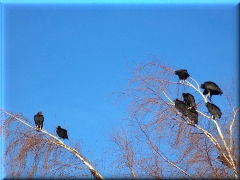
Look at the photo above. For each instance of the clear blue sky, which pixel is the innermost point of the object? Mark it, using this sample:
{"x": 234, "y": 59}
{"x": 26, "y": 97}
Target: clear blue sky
{"x": 64, "y": 60}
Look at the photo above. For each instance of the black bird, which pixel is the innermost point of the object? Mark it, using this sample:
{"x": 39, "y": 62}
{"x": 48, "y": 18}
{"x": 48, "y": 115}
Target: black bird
{"x": 192, "y": 115}
{"x": 189, "y": 100}
{"x": 224, "y": 161}
{"x": 38, "y": 118}
{"x": 62, "y": 133}
{"x": 214, "y": 110}
{"x": 182, "y": 74}
{"x": 181, "y": 106}
{"x": 210, "y": 88}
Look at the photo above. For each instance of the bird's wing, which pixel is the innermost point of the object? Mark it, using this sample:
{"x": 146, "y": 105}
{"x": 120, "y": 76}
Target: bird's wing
{"x": 63, "y": 130}
{"x": 36, "y": 118}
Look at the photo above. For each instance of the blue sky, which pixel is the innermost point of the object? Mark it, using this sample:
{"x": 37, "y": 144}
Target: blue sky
{"x": 64, "y": 60}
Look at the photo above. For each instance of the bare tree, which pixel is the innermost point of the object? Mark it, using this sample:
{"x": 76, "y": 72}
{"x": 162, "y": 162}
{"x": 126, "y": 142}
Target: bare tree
{"x": 31, "y": 152}
{"x": 158, "y": 142}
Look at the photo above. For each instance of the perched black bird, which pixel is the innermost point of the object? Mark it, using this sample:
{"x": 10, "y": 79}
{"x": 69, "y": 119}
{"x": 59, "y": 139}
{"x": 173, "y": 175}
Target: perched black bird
{"x": 62, "y": 133}
{"x": 192, "y": 115}
{"x": 38, "y": 118}
{"x": 181, "y": 106}
{"x": 224, "y": 161}
{"x": 182, "y": 74}
{"x": 214, "y": 110}
{"x": 210, "y": 88}
{"x": 189, "y": 100}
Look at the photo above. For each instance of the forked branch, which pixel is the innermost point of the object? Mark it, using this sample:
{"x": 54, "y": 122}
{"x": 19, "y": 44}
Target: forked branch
{"x": 218, "y": 129}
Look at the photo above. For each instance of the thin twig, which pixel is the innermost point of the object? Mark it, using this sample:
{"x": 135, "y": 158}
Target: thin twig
{"x": 198, "y": 90}
{"x": 234, "y": 116}
{"x": 209, "y": 160}
{"x": 161, "y": 154}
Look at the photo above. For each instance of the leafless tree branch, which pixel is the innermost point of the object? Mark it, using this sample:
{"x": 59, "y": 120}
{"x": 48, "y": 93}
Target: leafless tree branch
{"x": 57, "y": 142}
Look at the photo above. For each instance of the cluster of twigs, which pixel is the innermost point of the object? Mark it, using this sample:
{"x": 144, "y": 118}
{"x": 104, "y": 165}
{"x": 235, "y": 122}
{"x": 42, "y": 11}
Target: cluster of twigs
{"x": 40, "y": 153}
{"x": 160, "y": 132}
